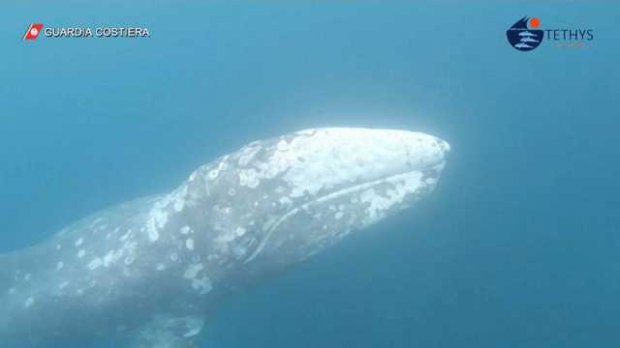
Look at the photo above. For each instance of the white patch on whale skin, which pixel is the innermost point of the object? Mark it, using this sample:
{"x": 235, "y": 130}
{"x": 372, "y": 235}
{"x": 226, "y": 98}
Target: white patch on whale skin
{"x": 129, "y": 260}
{"x": 112, "y": 257}
{"x": 193, "y": 332}
{"x": 240, "y": 231}
{"x": 160, "y": 212}
{"x": 95, "y": 263}
{"x": 189, "y": 244}
{"x": 29, "y": 302}
{"x": 192, "y": 271}
{"x": 285, "y": 200}
{"x": 400, "y": 186}
{"x": 201, "y": 284}
{"x": 249, "y": 178}
{"x": 60, "y": 265}
{"x": 179, "y": 205}
{"x": 158, "y": 220}
{"x": 81, "y": 253}
{"x": 246, "y": 154}
{"x": 79, "y": 242}
{"x": 229, "y": 236}
{"x": 125, "y": 236}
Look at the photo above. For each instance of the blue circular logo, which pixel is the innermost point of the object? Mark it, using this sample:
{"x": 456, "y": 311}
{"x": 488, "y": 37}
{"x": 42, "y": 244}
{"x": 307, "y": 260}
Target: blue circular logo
{"x": 524, "y": 35}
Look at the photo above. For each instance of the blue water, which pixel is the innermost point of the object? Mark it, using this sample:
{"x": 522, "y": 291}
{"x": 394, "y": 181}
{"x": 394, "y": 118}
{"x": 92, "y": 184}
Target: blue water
{"x": 518, "y": 247}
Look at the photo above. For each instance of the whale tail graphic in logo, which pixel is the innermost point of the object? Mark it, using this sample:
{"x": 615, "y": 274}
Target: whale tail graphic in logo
{"x": 525, "y": 34}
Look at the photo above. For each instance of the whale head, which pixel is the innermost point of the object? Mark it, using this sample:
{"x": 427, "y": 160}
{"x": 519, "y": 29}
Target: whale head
{"x": 278, "y": 201}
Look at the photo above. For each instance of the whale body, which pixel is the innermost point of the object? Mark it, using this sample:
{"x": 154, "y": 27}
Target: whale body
{"x": 148, "y": 273}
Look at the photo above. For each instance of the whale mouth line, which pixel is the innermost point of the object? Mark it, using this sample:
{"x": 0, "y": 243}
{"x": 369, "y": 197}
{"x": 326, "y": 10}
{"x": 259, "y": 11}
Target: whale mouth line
{"x": 328, "y": 196}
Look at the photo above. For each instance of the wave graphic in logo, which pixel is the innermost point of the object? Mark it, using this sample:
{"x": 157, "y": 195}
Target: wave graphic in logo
{"x": 524, "y": 35}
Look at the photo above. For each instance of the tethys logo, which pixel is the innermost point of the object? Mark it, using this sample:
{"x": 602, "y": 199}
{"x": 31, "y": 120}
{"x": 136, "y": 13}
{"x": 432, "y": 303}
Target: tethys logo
{"x": 526, "y": 34}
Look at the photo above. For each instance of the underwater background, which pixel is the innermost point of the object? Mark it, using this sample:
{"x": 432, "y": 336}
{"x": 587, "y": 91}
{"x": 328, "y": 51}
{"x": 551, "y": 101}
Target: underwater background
{"x": 518, "y": 247}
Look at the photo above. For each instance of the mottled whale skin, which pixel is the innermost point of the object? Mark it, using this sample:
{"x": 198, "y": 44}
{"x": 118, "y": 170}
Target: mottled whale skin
{"x": 147, "y": 273}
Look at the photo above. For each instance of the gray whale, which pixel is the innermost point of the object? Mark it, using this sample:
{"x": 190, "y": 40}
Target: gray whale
{"x": 148, "y": 273}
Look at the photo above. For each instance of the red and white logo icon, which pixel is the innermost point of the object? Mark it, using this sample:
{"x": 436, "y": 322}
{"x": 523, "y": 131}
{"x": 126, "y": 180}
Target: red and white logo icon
{"x": 33, "y": 31}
